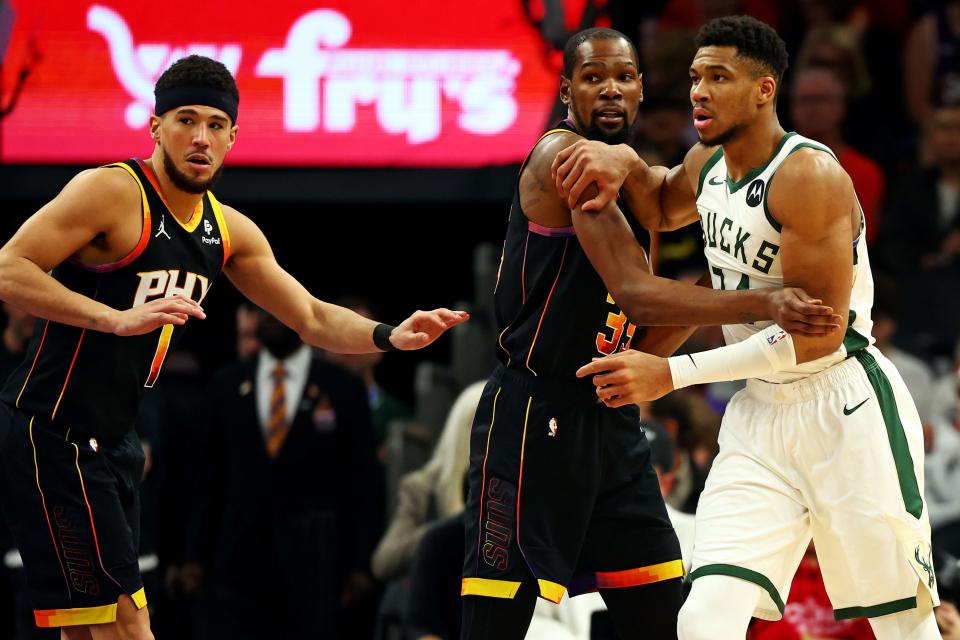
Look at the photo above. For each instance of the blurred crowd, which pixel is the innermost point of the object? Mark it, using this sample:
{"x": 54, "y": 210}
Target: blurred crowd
{"x": 346, "y": 522}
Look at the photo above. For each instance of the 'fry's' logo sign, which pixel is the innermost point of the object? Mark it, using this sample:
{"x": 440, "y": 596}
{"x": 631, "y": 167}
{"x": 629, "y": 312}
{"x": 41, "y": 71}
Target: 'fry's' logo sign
{"x": 324, "y": 83}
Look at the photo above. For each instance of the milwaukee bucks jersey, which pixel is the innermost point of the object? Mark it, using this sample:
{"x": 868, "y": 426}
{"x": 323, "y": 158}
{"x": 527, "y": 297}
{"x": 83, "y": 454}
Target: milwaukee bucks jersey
{"x": 741, "y": 238}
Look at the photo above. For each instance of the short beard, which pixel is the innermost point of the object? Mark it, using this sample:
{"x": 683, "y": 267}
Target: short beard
{"x": 184, "y": 183}
{"x": 594, "y": 132}
{"x": 723, "y": 138}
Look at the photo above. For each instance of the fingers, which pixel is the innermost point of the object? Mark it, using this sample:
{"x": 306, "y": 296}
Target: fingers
{"x": 177, "y": 305}
{"x": 451, "y": 318}
{"x": 556, "y": 167}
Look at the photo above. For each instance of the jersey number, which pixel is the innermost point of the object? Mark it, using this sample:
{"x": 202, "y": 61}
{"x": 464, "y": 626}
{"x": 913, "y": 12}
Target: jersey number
{"x": 617, "y": 324}
{"x": 743, "y": 284}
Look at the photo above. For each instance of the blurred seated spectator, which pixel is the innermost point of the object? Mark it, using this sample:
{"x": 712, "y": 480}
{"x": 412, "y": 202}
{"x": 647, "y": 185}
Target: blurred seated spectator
{"x": 948, "y": 620}
{"x": 818, "y": 110}
{"x": 915, "y": 373}
{"x": 808, "y": 613}
{"x": 385, "y": 406}
{"x": 691, "y": 425}
{"x": 942, "y": 477}
{"x": 431, "y": 493}
{"x": 921, "y": 225}
{"x": 289, "y": 475}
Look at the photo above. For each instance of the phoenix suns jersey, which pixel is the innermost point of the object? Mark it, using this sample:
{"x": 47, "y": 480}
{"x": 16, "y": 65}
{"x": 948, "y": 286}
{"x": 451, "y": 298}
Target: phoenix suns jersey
{"x": 92, "y": 381}
{"x": 553, "y": 311}
{"x": 741, "y": 240}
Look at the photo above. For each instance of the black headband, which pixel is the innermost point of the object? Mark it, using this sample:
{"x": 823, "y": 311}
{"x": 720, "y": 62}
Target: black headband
{"x": 207, "y": 96}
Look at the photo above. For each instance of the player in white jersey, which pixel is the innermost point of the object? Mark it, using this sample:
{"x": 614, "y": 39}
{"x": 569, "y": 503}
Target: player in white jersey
{"x": 825, "y": 440}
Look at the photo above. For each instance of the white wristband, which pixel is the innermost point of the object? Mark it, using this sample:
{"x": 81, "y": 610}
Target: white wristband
{"x": 763, "y": 353}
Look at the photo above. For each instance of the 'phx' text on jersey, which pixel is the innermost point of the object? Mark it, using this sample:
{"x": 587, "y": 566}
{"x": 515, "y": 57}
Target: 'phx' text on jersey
{"x": 553, "y": 311}
{"x": 92, "y": 381}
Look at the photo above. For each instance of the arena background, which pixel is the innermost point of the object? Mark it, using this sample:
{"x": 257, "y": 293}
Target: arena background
{"x": 378, "y": 149}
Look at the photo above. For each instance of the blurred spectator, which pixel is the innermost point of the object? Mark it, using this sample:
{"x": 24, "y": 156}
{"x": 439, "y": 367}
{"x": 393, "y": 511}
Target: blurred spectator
{"x": 290, "y": 472}
{"x": 921, "y": 226}
{"x": 434, "y": 492}
{"x": 663, "y": 457}
{"x": 942, "y": 477}
{"x": 692, "y": 425}
{"x": 948, "y": 620}
{"x": 818, "y": 110}
{"x": 385, "y": 406}
{"x": 836, "y": 47}
{"x": 932, "y": 63}
{"x": 247, "y": 341}
{"x": 16, "y": 335}
{"x": 808, "y": 613}
{"x": 886, "y": 312}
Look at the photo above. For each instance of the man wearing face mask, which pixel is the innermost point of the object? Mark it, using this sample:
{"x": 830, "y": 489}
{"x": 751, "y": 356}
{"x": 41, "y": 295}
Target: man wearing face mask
{"x": 288, "y": 521}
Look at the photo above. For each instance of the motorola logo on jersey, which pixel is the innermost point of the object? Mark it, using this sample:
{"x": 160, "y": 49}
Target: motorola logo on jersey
{"x": 168, "y": 283}
{"x": 755, "y": 193}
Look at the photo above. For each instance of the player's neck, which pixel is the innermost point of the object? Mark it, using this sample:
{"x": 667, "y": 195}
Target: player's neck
{"x": 752, "y": 149}
{"x": 181, "y": 204}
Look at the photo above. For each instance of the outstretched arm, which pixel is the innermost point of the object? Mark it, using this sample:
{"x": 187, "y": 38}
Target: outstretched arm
{"x": 253, "y": 269}
{"x": 95, "y": 204}
{"x": 817, "y": 254}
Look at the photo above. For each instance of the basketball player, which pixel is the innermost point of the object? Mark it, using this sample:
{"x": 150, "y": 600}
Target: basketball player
{"x": 825, "y": 439}
{"x": 117, "y": 264}
{"x": 562, "y": 494}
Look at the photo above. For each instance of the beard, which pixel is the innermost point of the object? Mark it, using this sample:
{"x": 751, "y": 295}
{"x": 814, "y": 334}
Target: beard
{"x": 724, "y": 136}
{"x": 183, "y": 182}
{"x": 594, "y": 132}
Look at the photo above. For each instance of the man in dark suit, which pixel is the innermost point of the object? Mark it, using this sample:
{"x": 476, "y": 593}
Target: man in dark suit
{"x": 291, "y": 514}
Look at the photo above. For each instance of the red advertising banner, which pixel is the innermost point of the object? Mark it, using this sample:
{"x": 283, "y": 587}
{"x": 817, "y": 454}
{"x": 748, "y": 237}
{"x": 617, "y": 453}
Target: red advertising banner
{"x": 329, "y": 83}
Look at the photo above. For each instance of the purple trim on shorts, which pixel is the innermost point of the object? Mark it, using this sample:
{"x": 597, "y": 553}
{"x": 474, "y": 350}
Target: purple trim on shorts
{"x": 551, "y": 232}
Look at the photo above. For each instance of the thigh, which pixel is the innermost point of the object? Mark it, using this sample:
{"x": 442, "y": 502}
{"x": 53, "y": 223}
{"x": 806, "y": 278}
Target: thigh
{"x": 532, "y": 481}
{"x": 646, "y": 612}
{"x": 499, "y": 618}
{"x": 751, "y": 522}
{"x": 69, "y": 524}
{"x": 870, "y": 524}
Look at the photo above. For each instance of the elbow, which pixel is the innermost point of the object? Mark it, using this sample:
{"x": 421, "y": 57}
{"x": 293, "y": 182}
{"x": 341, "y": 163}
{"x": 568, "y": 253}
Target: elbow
{"x": 633, "y": 302}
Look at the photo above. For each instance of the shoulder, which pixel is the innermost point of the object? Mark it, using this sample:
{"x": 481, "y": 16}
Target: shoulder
{"x": 543, "y": 153}
{"x": 93, "y": 188}
{"x": 824, "y": 184}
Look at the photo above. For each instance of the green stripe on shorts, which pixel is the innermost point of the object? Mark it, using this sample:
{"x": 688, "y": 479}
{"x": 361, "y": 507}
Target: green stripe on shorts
{"x": 876, "y": 610}
{"x": 734, "y": 571}
{"x": 909, "y": 488}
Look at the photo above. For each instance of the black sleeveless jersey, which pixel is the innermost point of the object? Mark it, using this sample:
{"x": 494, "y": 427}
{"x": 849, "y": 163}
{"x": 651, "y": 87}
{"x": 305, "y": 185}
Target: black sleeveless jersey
{"x": 92, "y": 381}
{"x": 553, "y": 311}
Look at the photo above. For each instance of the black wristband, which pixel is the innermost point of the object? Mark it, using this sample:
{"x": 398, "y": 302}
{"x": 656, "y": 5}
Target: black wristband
{"x": 381, "y": 337}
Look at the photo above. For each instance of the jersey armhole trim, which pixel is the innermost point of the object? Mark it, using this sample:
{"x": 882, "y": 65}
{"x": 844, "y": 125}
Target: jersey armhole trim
{"x": 802, "y": 145}
{"x": 224, "y": 233}
{"x": 714, "y": 159}
{"x": 146, "y": 227}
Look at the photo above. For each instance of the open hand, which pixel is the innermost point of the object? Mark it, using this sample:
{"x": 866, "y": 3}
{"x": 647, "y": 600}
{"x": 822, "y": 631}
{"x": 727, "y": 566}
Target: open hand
{"x": 423, "y": 327}
{"x": 629, "y": 377}
{"x": 154, "y": 314}
{"x": 587, "y": 162}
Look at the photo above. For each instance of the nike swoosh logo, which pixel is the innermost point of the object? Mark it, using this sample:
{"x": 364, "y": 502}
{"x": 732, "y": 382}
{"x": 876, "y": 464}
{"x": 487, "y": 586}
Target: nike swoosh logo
{"x": 711, "y": 181}
{"x": 847, "y": 412}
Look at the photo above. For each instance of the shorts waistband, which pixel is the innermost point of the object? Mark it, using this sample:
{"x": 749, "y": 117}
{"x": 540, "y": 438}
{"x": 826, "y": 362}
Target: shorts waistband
{"x": 814, "y": 385}
{"x": 546, "y": 388}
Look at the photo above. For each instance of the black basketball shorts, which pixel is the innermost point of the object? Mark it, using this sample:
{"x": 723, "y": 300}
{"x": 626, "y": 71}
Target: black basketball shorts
{"x": 561, "y": 488}
{"x": 72, "y": 504}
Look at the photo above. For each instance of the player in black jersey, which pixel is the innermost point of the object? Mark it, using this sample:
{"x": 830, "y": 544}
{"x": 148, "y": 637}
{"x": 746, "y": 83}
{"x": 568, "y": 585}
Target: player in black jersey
{"x": 562, "y": 495}
{"x": 115, "y": 266}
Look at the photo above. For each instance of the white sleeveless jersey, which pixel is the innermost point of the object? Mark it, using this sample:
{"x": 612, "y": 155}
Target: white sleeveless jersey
{"x": 741, "y": 241}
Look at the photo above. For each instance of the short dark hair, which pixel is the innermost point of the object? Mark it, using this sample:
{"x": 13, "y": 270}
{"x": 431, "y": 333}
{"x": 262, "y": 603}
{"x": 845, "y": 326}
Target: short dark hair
{"x": 593, "y": 33}
{"x": 753, "y": 40}
{"x": 197, "y": 71}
